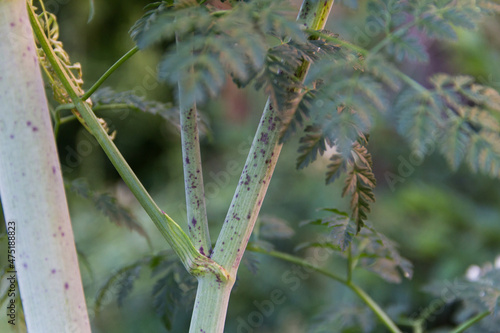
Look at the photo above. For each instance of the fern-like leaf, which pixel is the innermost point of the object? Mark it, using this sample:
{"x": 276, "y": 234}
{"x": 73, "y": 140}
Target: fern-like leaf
{"x": 384, "y": 71}
{"x": 381, "y": 256}
{"x": 292, "y": 121}
{"x": 407, "y": 48}
{"x": 471, "y": 132}
{"x": 312, "y": 144}
{"x": 436, "y": 27}
{"x": 107, "y": 98}
{"x": 454, "y": 141}
{"x": 173, "y": 290}
{"x": 213, "y": 46}
{"x": 359, "y": 184}
{"x": 484, "y": 154}
{"x": 107, "y": 205}
{"x": 163, "y": 20}
{"x": 419, "y": 118}
{"x": 341, "y": 231}
{"x": 435, "y": 19}
{"x": 119, "y": 284}
{"x": 337, "y": 166}
{"x": 476, "y": 294}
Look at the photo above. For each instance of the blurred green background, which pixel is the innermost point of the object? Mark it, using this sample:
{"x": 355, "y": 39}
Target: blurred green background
{"x": 444, "y": 221}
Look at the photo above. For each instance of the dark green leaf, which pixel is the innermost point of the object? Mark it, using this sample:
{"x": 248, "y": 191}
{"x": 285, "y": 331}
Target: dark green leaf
{"x": 312, "y": 144}
{"x": 435, "y": 27}
{"x": 381, "y": 256}
{"x": 118, "y": 285}
{"x": 419, "y": 119}
{"x": 341, "y": 231}
{"x": 407, "y": 47}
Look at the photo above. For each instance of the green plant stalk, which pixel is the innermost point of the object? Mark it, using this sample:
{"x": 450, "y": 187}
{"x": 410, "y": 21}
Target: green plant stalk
{"x": 384, "y": 318}
{"x": 375, "y": 307}
{"x": 250, "y": 192}
{"x": 350, "y": 266}
{"x": 296, "y": 260}
{"x": 260, "y": 164}
{"x": 193, "y": 179}
{"x": 471, "y": 322}
{"x": 197, "y": 221}
{"x": 210, "y": 307}
{"x": 195, "y": 262}
{"x": 40, "y": 236}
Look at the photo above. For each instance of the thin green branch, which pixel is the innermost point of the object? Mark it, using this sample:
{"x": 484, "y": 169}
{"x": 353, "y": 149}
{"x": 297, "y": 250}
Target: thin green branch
{"x": 193, "y": 175}
{"x": 384, "y": 318}
{"x": 471, "y": 322}
{"x": 56, "y": 116}
{"x": 110, "y": 71}
{"x": 387, "y": 39}
{"x": 195, "y": 263}
{"x": 67, "y": 119}
{"x": 349, "y": 263}
{"x": 63, "y": 107}
{"x": 375, "y": 307}
{"x": 415, "y": 324}
{"x": 296, "y": 260}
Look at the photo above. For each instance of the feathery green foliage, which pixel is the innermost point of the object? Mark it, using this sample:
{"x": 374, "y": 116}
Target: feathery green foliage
{"x": 341, "y": 234}
{"x": 459, "y": 115}
{"x": 348, "y": 317}
{"x": 432, "y": 19}
{"x": 107, "y": 98}
{"x": 107, "y": 205}
{"x": 380, "y": 255}
{"x": 369, "y": 249}
{"x": 360, "y": 181}
{"x": 173, "y": 288}
{"x": 476, "y": 295}
{"x": 214, "y": 43}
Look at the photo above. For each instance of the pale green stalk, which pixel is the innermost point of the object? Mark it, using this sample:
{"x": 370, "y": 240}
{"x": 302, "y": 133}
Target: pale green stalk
{"x": 32, "y": 191}
{"x": 193, "y": 175}
{"x": 213, "y": 296}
